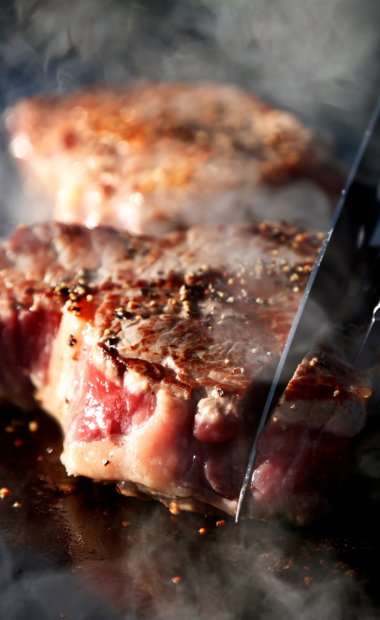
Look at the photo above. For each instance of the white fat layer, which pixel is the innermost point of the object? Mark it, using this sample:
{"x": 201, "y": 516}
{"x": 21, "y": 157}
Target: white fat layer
{"x": 143, "y": 456}
{"x": 90, "y": 458}
{"x": 153, "y": 451}
{"x": 62, "y": 377}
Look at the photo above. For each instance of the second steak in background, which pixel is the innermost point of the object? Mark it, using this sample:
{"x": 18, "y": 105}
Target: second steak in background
{"x": 151, "y": 158}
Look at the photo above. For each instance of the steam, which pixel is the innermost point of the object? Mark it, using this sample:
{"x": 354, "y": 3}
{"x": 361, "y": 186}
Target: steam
{"x": 41, "y": 595}
{"x": 254, "y": 585}
{"x": 256, "y": 570}
{"x": 310, "y": 57}
{"x": 319, "y": 59}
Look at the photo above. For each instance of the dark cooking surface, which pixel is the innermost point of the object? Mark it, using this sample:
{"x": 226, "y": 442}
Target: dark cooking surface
{"x": 65, "y": 550}
{"x": 78, "y": 548}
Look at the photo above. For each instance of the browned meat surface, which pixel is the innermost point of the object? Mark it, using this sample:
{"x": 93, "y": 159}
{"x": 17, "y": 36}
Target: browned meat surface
{"x": 304, "y": 451}
{"x": 151, "y": 158}
{"x": 152, "y": 355}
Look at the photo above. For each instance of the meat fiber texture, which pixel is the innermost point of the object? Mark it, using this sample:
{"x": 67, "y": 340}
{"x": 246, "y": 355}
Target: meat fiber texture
{"x": 153, "y": 356}
{"x": 151, "y": 158}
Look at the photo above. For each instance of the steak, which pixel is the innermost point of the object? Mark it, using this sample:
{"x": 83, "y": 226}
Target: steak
{"x": 153, "y": 355}
{"x": 304, "y": 451}
{"x": 151, "y": 158}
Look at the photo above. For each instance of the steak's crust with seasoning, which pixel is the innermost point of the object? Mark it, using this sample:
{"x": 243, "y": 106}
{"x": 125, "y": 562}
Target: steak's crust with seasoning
{"x": 152, "y": 353}
{"x": 152, "y": 158}
{"x": 303, "y": 454}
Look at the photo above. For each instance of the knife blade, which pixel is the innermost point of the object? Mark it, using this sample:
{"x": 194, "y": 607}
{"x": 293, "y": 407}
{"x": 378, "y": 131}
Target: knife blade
{"x": 347, "y": 260}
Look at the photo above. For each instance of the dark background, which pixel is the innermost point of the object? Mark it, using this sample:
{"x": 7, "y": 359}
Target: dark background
{"x": 317, "y": 58}
{"x": 65, "y": 550}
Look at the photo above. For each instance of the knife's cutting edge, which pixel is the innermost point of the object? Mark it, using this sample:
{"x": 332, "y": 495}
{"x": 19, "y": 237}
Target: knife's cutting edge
{"x": 302, "y": 305}
{"x": 276, "y": 378}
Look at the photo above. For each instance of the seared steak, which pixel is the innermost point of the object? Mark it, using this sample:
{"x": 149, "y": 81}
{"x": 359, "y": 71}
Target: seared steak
{"x": 152, "y": 158}
{"x": 152, "y": 355}
{"x": 304, "y": 451}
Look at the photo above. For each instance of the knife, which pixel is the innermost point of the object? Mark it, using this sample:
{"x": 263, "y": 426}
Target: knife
{"x": 347, "y": 268}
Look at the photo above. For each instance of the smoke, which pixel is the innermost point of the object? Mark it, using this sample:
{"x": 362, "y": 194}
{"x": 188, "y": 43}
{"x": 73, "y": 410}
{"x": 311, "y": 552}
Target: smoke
{"x": 259, "y": 571}
{"x": 319, "y": 59}
{"x": 78, "y": 548}
{"x": 128, "y": 559}
{"x": 310, "y": 57}
{"x": 157, "y": 566}
{"x": 42, "y": 594}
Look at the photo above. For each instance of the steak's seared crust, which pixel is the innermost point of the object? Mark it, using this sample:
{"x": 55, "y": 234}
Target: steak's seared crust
{"x": 158, "y": 157}
{"x": 303, "y": 452}
{"x": 155, "y": 364}
{"x": 152, "y": 353}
